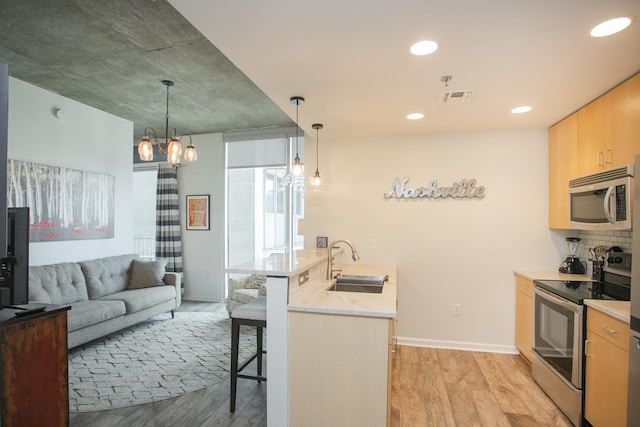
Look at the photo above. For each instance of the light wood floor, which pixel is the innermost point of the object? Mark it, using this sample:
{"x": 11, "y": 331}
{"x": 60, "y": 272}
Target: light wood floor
{"x": 430, "y": 387}
{"x": 436, "y": 387}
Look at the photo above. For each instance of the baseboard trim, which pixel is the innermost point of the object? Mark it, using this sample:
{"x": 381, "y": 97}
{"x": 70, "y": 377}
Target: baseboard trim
{"x": 201, "y": 298}
{"x": 457, "y": 345}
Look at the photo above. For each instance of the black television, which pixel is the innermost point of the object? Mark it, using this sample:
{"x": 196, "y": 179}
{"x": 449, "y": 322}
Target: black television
{"x": 15, "y": 267}
{"x": 5, "y": 292}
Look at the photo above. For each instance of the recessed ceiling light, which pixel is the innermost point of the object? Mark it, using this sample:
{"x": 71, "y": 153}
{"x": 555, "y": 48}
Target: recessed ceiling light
{"x": 610, "y": 27}
{"x": 415, "y": 116}
{"x": 521, "y": 109}
{"x": 425, "y": 47}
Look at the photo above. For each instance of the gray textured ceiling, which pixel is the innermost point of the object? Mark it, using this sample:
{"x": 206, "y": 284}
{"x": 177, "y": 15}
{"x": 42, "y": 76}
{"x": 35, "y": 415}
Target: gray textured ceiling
{"x": 113, "y": 54}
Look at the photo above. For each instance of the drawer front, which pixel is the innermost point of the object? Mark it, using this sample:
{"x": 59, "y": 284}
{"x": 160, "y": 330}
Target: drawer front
{"x": 611, "y": 329}
{"x": 525, "y": 286}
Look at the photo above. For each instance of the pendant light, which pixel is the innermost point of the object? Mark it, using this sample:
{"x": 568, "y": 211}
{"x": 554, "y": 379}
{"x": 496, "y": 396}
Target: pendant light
{"x": 171, "y": 146}
{"x": 316, "y": 177}
{"x": 298, "y": 166}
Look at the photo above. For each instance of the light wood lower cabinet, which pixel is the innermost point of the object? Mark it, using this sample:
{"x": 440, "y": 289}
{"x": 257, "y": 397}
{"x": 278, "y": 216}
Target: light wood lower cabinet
{"x": 607, "y": 358}
{"x": 524, "y": 316}
{"x": 338, "y": 370}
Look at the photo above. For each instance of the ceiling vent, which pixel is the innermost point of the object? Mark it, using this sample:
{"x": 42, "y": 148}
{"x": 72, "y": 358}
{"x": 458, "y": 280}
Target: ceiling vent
{"x": 456, "y": 96}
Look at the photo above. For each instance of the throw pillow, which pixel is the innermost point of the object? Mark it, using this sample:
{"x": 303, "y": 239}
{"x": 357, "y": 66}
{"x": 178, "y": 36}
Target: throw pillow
{"x": 145, "y": 274}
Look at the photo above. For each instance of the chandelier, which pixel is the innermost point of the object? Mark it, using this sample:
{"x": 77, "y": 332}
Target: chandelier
{"x": 171, "y": 145}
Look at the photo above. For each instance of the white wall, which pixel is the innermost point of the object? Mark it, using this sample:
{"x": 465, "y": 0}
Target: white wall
{"x": 87, "y": 139}
{"x": 203, "y": 251}
{"x": 446, "y": 251}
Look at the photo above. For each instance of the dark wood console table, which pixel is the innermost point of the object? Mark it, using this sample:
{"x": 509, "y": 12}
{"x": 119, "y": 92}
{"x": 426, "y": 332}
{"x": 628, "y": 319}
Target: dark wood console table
{"x": 33, "y": 367}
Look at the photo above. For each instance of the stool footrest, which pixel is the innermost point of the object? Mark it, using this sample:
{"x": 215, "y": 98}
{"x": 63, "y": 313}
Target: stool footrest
{"x": 253, "y": 377}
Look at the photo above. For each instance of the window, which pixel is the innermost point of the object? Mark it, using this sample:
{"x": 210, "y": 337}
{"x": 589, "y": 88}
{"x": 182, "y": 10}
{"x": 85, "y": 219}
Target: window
{"x": 269, "y": 193}
{"x": 262, "y": 207}
{"x": 144, "y": 212}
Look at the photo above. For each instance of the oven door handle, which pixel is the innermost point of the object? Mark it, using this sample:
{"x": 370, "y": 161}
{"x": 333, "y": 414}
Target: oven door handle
{"x": 561, "y": 302}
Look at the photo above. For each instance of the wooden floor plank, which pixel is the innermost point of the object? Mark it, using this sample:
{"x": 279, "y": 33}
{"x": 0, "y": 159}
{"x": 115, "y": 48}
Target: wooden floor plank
{"x": 508, "y": 397}
{"x": 540, "y": 407}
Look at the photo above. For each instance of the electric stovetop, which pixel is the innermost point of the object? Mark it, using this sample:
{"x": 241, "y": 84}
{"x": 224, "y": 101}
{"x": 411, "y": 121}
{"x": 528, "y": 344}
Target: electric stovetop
{"x": 577, "y": 291}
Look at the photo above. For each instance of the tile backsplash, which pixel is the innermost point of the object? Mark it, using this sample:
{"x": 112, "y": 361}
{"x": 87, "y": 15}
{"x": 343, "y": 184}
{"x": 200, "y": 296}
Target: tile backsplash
{"x": 591, "y": 239}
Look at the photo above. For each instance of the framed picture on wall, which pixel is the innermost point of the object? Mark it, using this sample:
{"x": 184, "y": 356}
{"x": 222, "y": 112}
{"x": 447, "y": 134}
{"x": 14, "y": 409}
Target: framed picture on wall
{"x": 198, "y": 212}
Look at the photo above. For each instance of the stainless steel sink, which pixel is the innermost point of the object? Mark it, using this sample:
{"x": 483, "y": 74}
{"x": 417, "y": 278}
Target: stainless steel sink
{"x": 357, "y": 283}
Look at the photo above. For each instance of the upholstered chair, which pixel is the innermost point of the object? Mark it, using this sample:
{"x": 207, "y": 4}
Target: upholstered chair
{"x": 243, "y": 290}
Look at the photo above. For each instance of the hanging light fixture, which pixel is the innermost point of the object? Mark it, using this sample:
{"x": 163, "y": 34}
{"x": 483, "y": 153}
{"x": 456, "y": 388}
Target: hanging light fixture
{"x": 172, "y": 145}
{"x": 316, "y": 177}
{"x": 298, "y": 166}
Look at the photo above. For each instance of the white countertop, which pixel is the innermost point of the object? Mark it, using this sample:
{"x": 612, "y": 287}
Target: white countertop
{"x": 313, "y": 296}
{"x": 617, "y": 309}
{"x": 283, "y": 265}
{"x": 551, "y": 275}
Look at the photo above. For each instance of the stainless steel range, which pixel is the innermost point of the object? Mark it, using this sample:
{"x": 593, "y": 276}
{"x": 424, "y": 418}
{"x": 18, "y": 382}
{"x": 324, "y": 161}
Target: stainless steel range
{"x": 559, "y": 328}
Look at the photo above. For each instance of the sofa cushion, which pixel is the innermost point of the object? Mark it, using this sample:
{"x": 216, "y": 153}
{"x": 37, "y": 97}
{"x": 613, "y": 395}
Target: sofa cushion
{"x": 107, "y": 275}
{"x": 57, "y": 283}
{"x": 145, "y": 274}
{"x": 91, "y": 312}
{"x": 139, "y": 299}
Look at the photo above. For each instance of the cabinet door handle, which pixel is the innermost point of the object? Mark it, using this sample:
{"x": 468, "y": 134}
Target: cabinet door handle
{"x": 607, "y": 160}
{"x": 608, "y": 329}
{"x": 586, "y": 353}
{"x": 599, "y": 158}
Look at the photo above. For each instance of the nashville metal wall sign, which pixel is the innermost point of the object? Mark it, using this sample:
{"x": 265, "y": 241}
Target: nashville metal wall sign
{"x": 462, "y": 189}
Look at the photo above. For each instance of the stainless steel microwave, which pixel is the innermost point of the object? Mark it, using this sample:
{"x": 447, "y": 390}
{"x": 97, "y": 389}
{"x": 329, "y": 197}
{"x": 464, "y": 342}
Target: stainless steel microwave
{"x": 602, "y": 201}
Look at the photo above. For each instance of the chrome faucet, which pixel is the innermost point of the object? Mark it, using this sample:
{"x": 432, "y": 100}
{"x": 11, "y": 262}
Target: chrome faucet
{"x": 354, "y": 255}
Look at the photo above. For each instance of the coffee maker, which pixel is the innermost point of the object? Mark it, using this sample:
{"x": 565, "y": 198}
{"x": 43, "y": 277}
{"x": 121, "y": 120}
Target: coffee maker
{"x": 572, "y": 264}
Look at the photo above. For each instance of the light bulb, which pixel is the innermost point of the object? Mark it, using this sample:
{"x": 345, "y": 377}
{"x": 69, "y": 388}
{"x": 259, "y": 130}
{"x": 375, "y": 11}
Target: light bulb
{"x": 174, "y": 147}
{"x": 298, "y": 167}
{"x": 145, "y": 149}
{"x": 316, "y": 178}
{"x": 173, "y": 158}
{"x": 190, "y": 153}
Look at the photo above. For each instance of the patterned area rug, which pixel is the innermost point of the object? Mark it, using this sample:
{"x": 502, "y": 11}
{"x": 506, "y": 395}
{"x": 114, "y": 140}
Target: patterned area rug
{"x": 154, "y": 360}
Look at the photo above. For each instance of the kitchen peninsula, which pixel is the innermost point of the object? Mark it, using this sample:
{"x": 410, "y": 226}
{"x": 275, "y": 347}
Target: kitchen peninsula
{"x": 308, "y": 324}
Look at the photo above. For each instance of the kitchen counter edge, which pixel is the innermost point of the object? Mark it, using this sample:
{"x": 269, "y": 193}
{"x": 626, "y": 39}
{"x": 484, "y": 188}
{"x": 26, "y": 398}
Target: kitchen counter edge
{"x": 617, "y": 309}
{"x": 550, "y": 275}
{"x": 284, "y": 264}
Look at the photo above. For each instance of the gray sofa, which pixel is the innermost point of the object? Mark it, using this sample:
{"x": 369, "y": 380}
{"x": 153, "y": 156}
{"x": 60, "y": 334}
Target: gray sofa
{"x": 105, "y": 294}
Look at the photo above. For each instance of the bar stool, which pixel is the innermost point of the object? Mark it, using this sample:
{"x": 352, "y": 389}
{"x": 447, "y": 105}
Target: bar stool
{"x": 252, "y": 314}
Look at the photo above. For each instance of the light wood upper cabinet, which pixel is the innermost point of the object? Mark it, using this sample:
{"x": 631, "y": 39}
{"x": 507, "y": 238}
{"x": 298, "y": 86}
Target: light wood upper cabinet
{"x": 524, "y": 316}
{"x": 623, "y": 122}
{"x": 604, "y": 134}
{"x": 606, "y": 374}
{"x": 609, "y": 129}
{"x": 563, "y": 148}
{"x": 592, "y": 137}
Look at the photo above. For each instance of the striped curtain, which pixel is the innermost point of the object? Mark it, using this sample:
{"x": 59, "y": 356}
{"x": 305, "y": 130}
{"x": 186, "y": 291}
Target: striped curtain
{"x": 168, "y": 239}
